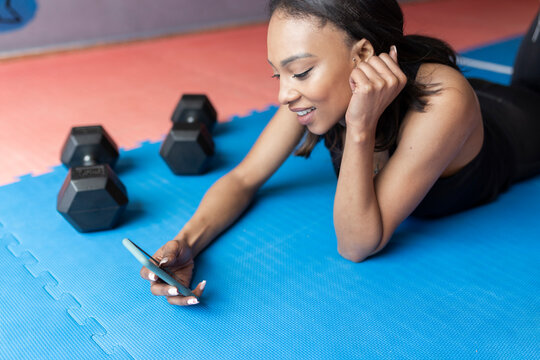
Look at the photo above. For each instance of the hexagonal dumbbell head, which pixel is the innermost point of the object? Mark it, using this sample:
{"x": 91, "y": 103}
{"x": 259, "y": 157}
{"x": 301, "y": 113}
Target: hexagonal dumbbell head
{"x": 89, "y": 145}
{"x": 194, "y": 107}
{"x": 187, "y": 148}
{"x": 92, "y": 198}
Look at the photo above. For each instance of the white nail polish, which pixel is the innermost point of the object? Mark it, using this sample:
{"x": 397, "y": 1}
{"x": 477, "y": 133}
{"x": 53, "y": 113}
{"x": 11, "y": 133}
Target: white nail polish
{"x": 192, "y": 301}
{"x": 203, "y": 284}
{"x": 152, "y": 277}
{"x": 173, "y": 291}
{"x": 163, "y": 261}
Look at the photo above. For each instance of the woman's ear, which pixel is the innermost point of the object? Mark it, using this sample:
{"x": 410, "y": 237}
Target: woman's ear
{"x": 361, "y": 51}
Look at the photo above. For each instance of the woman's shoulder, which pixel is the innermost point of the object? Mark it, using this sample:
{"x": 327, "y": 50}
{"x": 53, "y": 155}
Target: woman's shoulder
{"x": 441, "y": 76}
{"x": 451, "y": 100}
{"x": 452, "y": 112}
{"x": 447, "y": 88}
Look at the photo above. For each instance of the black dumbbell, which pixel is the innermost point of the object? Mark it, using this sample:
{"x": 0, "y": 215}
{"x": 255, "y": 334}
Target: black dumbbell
{"x": 92, "y": 197}
{"x": 188, "y": 147}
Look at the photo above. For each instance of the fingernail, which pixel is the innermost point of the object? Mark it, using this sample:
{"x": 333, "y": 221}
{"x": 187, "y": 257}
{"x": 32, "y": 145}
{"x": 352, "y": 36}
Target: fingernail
{"x": 173, "y": 291}
{"x": 203, "y": 284}
{"x": 394, "y": 48}
{"x": 163, "y": 261}
{"x": 152, "y": 276}
{"x": 192, "y": 301}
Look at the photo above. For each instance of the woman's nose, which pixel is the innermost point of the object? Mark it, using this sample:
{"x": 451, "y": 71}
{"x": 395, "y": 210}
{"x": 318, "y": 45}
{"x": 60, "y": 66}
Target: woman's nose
{"x": 287, "y": 93}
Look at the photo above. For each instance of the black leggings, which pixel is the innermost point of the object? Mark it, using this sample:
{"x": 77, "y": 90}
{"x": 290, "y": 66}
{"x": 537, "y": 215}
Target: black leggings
{"x": 527, "y": 63}
{"x": 516, "y": 108}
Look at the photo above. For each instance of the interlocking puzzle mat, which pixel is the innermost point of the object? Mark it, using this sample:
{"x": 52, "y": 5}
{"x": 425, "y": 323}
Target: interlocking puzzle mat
{"x": 458, "y": 287}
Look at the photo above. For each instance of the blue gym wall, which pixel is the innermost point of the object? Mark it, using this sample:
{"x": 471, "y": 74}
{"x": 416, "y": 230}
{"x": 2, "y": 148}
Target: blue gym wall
{"x": 28, "y": 26}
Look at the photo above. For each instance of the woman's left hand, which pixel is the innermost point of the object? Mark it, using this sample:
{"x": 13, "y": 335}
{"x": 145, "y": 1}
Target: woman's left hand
{"x": 375, "y": 83}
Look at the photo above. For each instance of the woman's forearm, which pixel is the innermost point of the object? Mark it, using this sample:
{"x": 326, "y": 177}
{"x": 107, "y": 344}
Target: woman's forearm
{"x": 220, "y": 207}
{"x": 357, "y": 217}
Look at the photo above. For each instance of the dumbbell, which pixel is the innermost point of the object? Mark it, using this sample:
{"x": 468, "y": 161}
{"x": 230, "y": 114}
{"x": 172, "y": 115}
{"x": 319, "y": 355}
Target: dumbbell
{"x": 188, "y": 147}
{"x": 92, "y": 197}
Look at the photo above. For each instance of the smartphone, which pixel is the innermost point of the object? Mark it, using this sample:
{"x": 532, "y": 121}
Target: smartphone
{"x": 151, "y": 264}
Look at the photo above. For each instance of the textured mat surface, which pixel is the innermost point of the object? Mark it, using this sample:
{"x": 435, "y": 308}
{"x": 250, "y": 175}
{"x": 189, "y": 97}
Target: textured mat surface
{"x": 462, "y": 287}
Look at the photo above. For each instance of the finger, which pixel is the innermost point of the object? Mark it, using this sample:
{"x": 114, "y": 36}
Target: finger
{"x": 175, "y": 253}
{"x": 182, "y": 300}
{"x": 368, "y": 67}
{"x": 393, "y": 53}
{"x": 357, "y": 78}
{"x": 199, "y": 289}
{"x": 167, "y": 252}
{"x": 148, "y": 275}
{"x": 383, "y": 69}
{"x": 394, "y": 67}
{"x": 374, "y": 77}
{"x": 163, "y": 289}
{"x": 391, "y": 80}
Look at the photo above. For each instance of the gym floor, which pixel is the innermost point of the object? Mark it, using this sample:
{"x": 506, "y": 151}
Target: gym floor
{"x": 460, "y": 287}
{"x": 132, "y": 88}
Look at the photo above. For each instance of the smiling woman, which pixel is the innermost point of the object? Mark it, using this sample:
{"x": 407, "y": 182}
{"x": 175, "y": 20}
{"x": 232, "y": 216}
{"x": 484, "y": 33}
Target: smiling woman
{"x": 306, "y": 54}
{"x": 334, "y": 44}
{"x": 407, "y": 132}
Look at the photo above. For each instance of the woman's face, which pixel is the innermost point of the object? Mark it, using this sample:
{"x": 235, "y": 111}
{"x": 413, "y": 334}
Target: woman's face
{"x": 313, "y": 65}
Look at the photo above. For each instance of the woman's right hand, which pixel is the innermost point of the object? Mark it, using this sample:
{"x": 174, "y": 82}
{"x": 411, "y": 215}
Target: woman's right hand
{"x": 175, "y": 257}
{"x": 375, "y": 83}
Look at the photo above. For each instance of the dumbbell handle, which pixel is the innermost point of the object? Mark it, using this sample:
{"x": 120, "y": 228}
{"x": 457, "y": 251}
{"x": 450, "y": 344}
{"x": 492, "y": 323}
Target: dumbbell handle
{"x": 87, "y": 146}
{"x": 88, "y": 160}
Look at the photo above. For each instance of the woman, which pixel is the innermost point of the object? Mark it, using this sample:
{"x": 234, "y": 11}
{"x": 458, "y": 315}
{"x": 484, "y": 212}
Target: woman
{"x": 407, "y": 132}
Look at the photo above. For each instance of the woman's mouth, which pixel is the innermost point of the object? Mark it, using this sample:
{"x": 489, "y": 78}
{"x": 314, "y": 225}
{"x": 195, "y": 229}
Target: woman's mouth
{"x": 305, "y": 115}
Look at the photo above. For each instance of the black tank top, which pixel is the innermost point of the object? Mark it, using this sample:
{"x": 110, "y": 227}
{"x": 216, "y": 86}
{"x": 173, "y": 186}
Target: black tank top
{"x": 478, "y": 182}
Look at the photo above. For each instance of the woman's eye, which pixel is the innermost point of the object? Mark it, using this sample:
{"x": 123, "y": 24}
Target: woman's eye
{"x": 275, "y": 76}
{"x": 302, "y": 75}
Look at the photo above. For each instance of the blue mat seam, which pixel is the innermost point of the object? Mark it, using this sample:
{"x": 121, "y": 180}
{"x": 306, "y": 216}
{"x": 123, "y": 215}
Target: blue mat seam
{"x": 50, "y": 284}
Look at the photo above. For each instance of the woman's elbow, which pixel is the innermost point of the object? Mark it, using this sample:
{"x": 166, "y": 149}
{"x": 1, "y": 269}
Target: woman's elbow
{"x": 357, "y": 251}
{"x": 353, "y": 256}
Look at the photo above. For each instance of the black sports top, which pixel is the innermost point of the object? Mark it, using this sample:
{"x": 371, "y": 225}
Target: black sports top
{"x": 478, "y": 182}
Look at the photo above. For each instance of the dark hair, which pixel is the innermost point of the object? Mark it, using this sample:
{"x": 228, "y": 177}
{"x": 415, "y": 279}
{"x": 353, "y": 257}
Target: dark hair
{"x": 380, "y": 22}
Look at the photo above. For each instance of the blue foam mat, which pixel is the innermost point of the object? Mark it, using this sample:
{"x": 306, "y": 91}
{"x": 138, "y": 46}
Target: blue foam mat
{"x": 34, "y": 322}
{"x": 458, "y": 287}
{"x": 500, "y": 53}
{"x": 461, "y": 287}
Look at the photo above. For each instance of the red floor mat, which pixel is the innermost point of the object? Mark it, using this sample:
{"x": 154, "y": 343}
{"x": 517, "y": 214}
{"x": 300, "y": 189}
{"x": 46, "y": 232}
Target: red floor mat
{"x": 132, "y": 88}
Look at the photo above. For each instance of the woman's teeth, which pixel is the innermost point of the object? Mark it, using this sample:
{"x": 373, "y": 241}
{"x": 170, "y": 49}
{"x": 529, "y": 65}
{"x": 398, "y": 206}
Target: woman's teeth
{"x": 305, "y": 112}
